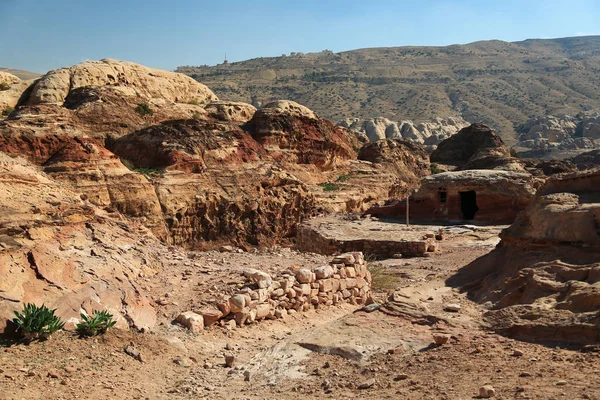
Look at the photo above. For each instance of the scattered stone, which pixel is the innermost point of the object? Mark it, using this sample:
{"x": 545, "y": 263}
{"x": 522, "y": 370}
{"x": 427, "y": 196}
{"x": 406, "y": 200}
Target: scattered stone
{"x": 226, "y": 249}
{"x": 207, "y": 365}
{"x": 183, "y": 362}
{"x": 561, "y": 383}
{"x": 133, "y": 352}
{"x": 229, "y": 360}
{"x": 367, "y": 384}
{"x": 54, "y": 374}
{"x": 517, "y": 353}
{"x": 524, "y": 375}
{"x": 211, "y": 315}
{"x": 247, "y": 376}
{"x": 191, "y": 320}
{"x": 401, "y": 377}
{"x": 237, "y": 303}
{"x": 440, "y": 338}
{"x": 452, "y": 307}
{"x": 371, "y": 307}
{"x": 487, "y": 391}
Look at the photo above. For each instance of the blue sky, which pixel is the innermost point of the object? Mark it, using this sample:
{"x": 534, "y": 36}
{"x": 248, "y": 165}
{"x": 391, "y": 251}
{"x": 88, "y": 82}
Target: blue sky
{"x": 39, "y": 35}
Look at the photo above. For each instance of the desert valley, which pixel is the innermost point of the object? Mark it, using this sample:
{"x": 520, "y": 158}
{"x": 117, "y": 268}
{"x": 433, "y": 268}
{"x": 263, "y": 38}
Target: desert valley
{"x": 427, "y": 243}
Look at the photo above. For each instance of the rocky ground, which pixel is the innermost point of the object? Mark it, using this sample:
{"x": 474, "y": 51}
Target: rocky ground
{"x": 333, "y": 352}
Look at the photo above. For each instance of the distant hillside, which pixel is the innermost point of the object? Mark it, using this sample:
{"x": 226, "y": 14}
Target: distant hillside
{"x": 501, "y": 84}
{"x": 24, "y": 75}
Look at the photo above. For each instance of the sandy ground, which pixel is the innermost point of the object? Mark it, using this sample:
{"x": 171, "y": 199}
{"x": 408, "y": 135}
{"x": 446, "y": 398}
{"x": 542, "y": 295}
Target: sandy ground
{"x": 335, "y": 353}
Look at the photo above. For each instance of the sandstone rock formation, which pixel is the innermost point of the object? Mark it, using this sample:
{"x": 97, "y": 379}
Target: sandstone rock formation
{"x": 11, "y": 89}
{"x": 194, "y": 173}
{"x": 126, "y": 78}
{"x": 407, "y": 159}
{"x": 294, "y": 134}
{"x": 427, "y": 133}
{"x": 541, "y": 282}
{"x": 475, "y": 147}
{"x": 58, "y": 249}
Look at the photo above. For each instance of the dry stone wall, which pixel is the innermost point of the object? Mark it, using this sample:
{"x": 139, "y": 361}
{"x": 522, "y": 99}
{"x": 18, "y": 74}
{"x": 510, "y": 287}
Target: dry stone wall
{"x": 310, "y": 240}
{"x": 345, "y": 279}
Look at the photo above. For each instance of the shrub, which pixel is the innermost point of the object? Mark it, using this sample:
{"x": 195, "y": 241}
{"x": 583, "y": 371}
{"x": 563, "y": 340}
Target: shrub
{"x": 343, "y": 178}
{"x": 435, "y": 169}
{"x": 97, "y": 324}
{"x": 4, "y": 86}
{"x": 149, "y": 172}
{"x": 37, "y": 323}
{"x": 6, "y": 112}
{"x": 329, "y": 186}
{"x": 514, "y": 153}
{"x": 144, "y": 109}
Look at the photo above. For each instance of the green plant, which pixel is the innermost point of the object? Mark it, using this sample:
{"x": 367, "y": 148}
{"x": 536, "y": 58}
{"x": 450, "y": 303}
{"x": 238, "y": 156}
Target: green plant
{"x": 435, "y": 169}
{"x": 514, "y": 153}
{"x": 197, "y": 116}
{"x": 6, "y": 112}
{"x": 149, "y": 172}
{"x": 4, "y": 86}
{"x": 343, "y": 178}
{"x": 144, "y": 109}
{"x": 329, "y": 186}
{"x": 37, "y": 323}
{"x": 97, "y": 324}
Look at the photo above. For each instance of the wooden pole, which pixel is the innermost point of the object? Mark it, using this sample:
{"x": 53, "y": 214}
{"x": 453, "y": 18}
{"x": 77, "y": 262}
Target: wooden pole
{"x": 407, "y": 210}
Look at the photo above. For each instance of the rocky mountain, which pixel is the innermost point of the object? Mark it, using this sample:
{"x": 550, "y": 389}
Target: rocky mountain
{"x": 497, "y": 83}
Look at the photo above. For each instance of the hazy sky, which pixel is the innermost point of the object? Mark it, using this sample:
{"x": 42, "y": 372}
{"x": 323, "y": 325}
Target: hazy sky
{"x": 39, "y": 35}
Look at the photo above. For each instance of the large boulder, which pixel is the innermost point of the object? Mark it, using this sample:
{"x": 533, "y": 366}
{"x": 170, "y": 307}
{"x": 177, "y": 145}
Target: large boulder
{"x": 475, "y": 147}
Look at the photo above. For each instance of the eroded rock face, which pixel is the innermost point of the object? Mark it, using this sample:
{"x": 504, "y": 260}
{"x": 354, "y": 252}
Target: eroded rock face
{"x": 427, "y": 133}
{"x": 219, "y": 182}
{"x": 541, "y": 282}
{"x": 230, "y": 111}
{"x": 290, "y": 133}
{"x": 58, "y": 249}
{"x": 407, "y": 159}
{"x": 475, "y": 147}
{"x": 126, "y": 78}
{"x": 198, "y": 173}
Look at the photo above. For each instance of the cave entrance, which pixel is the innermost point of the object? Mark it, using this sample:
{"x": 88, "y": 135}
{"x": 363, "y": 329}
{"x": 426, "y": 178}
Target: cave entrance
{"x": 468, "y": 204}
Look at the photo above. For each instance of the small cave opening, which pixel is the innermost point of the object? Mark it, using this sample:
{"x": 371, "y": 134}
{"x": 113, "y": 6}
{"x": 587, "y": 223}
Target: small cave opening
{"x": 468, "y": 204}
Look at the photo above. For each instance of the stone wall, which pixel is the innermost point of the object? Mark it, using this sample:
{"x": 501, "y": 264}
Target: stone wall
{"x": 307, "y": 239}
{"x": 345, "y": 279}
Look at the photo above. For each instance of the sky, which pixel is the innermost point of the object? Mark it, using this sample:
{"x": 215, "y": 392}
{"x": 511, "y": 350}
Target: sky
{"x": 40, "y": 35}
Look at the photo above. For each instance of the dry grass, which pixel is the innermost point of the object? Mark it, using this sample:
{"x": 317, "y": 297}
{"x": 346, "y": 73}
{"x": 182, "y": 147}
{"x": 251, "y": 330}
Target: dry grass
{"x": 383, "y": 280}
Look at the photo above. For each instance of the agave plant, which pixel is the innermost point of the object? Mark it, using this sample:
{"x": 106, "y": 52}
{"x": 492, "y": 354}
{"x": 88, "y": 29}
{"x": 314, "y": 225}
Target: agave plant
{"x": 97, "y": 324}
{"x": 37, "y": 323}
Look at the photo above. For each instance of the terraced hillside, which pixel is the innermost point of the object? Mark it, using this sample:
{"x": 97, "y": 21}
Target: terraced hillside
{"x": 498, "y": 83}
